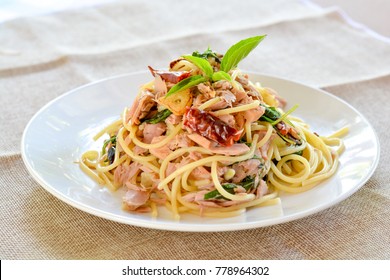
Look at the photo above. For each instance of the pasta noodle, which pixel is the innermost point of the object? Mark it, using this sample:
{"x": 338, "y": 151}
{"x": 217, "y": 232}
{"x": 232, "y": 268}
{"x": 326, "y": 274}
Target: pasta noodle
{"x": 215, "y": 148}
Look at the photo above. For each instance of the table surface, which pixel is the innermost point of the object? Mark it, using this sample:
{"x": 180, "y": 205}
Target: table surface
{"x": 373, "y": 14}
{"x": 44, "y": 56}
{"x": 376, "y": 19}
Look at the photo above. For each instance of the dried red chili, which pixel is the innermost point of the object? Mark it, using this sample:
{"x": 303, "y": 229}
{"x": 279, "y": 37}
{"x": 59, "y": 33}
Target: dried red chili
{"x": 168, "y": 76}
{"x": 210, "y": 127}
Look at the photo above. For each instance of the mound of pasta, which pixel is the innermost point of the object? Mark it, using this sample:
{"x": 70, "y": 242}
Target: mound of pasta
{"x": 202, "y": 138}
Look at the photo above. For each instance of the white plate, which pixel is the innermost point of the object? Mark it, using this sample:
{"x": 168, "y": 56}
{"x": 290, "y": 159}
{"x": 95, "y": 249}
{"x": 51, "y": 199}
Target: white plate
{"x": 63, "y": 129}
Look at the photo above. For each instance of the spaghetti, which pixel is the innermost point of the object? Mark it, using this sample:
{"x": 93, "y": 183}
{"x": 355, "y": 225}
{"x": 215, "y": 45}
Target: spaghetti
{"x": 209, "y": 146}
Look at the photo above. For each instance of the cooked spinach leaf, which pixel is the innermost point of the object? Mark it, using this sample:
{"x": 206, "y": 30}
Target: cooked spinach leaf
{"x": 247, "y": 183}
{"x": 206, "y": 54}
{"x": 112, "y": 140}
{"x": 159, "y": 117}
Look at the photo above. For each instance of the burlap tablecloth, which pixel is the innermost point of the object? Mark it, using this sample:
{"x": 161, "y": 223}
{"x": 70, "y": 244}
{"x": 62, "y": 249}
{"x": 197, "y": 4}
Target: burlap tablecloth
{"x": 43, "y": 57}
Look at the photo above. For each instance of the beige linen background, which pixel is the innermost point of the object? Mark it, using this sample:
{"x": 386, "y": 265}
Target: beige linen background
{"x": 43, "y": 57}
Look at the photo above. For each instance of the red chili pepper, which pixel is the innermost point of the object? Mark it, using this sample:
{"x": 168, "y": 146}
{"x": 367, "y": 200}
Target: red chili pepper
{"x": 168, "y": 76}
{"x": 210, "y": 127}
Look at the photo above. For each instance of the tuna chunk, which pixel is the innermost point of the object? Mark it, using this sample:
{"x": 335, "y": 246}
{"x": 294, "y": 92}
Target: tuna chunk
{"x": 135, "y": 198}
{"x": 233, "y": 150}
{"x": 124, "y": 173}
{"x": 246, "y": 168}
{"x": 153, "y": 130}
{"x": 141, "y": 107}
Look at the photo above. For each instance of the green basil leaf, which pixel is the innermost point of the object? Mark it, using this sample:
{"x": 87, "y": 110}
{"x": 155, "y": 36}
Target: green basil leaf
{"x": 248, "y": 183}
{"x": 270, "y": 114}
{"x": 239, "y": 51}
{"x": 229, "y": 187}
{"x": 112, "y": 140}
{"x": 159, "y": 117}
{"x": 212, "y": 195}
{"x": 201, "y": 63}
{"x": 221, "y": 75}
{"x": 186, "y": 83}
{"x": 206, "y": 54}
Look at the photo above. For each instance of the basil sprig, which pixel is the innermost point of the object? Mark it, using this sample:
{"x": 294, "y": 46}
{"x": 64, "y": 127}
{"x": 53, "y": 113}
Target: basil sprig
{"x": 239, "y": 51}
{"x": 206, "y": 54}
{"x": 159, "y": 117}
{"x": 247, "y": 183}
{"x": 112, "y": 140}
{"x": 186, "y": 83}
{"x": 229, "y": 187}
{"x": 202, "y": 63}
{"x": 221, "y": 75}
{"x": 272, "y": 116}
{"x": 233, "y": 56}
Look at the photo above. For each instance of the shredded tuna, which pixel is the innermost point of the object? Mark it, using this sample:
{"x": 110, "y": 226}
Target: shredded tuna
{"x": 134, "y": 199}
{"x": 207, "y": 186}
{"x": 242, "y": 79}
{"x": 253, "y": 115}
{"x": 146, "y": 169}
{"x": 205, "y": 93}
{"x": 199, "y": 198}
{"x": 139, "y": 150}
{"x": 201, "y": 141}
{"x": 240, "y": 95}
{"x": 141, "y": 107}
{"x": 206, "y": 90}
{"x": 264, "y": 149}
{"x": 239, "y": 121}
{"x": 124, "y": 173}
{"x": 153, "y": 130}
{"x": 239, "y": 189}
{"x": 194, "y": 155}
{"x": 246, "y": 168}
{"x": 222, "y": 84}
{"x": 227, "y": 96}
{"x": 171, "y": 167}
{"x": 221, "y": 170}
{"x": 180, "y": 141}
{"x": 262, "y": 189}
{"x": 160, "y": 86}
{"x": 133, "y": 186}
{"x": 200, "y": 173}
{"x": 170, "y": 76}
{"x": 161, "y": 152}
{"x": 190, "y": 197}
{"x": 219, "y": 105}
{"x": 128, "y": 139}
{"x": 228, "y": 119}
{"x": 173, "y": 119}
{"x": 233, "y": 150}
{"x": 248, "y": 87}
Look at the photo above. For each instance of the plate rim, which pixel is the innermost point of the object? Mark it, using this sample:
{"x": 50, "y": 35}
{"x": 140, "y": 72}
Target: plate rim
{"x": 184, "y": 227}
